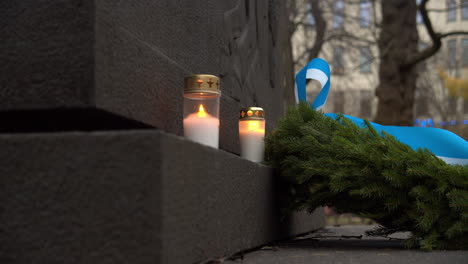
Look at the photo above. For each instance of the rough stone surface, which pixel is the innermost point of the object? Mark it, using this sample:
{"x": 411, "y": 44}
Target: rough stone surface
{"x": 133, "y": 197}
{"x": 130, "y": 57}
{"x": 348, "y": 244}
{"x": 80, "y": 198}
{"x": 46, "y": 54}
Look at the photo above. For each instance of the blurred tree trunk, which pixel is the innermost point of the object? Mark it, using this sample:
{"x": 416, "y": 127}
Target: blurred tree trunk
{"x": 397, "y": 43}
{"x": 399, "y": 56}
{"x": 320, "y": 27}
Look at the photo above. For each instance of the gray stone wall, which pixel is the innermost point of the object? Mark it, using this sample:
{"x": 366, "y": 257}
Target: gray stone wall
{"x": 46, "y": 54}
{"x": 96, "y": 182}
{"x": 129, "y": 57}
{"x": 134, "y": 197}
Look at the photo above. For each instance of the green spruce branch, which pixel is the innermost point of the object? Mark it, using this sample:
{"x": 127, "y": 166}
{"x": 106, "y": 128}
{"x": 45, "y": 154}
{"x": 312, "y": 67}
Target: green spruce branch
{"x": 357, "y": 170}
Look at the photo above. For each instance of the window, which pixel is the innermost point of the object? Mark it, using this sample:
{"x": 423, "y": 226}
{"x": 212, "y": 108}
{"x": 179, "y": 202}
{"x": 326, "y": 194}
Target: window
{"x": 338, "y": 14}
{"x": 465, "y": 107}
{"x": 452, "y": 10}
{"x": 421, "y": 104}
{"x": 364, "y": 13}
{"x": 452, "y": 107}
{"x": 465, "y": 52}
{"x": 309, "y": 19}
{"x": 451, "y": 53}
{"x": 365, "y": 59}
{"x": 338, "y": 62}
{"x": 422, "y": 45}
{"x": 366, "y": 104}
{"x": 338, "y": 102}
{"x": 464, "y": 9}
{"x": 419, "y": 19}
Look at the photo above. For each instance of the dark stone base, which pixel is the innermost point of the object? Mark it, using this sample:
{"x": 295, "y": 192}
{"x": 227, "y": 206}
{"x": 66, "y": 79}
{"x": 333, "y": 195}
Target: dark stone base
{"x": 133, "y": 197}
{"x": 130, "y": 58}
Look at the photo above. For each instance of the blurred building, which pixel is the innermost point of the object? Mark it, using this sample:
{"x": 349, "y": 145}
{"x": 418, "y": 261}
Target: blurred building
{"x": 350, "y": 46}
{"x": 440, "y": 94}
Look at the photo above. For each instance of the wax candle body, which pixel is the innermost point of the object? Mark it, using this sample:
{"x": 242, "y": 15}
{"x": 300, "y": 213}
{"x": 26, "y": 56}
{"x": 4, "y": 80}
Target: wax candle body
{"x": 202, "y": 128}
{"x": 252, "y": 144}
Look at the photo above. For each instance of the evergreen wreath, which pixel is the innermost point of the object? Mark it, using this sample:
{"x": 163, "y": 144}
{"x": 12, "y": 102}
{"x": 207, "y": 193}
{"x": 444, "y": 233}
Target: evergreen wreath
{"x": 357, "y": 170}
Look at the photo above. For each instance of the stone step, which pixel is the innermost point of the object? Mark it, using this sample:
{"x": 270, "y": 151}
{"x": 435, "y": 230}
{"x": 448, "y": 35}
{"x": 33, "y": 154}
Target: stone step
{"x": 130, "y": 58}
{"x": 140, "y": 196}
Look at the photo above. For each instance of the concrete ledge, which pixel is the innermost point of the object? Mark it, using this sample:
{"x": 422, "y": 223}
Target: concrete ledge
{"x": 133, "y": 197}
{"x": 129, "y": 58}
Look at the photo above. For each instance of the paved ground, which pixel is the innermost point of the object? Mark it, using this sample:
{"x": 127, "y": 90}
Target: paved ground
{"x": 347, "y": 244}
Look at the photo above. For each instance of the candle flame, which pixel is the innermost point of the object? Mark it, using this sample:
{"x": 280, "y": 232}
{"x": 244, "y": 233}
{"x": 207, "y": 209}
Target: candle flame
{"x": 253, "y": 125}
{"x": 201, "y": 111}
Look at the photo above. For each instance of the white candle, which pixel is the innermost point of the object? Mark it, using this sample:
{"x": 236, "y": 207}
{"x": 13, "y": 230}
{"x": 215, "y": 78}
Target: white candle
{"x": 251, "y": 134}
{"x": 203, "y": 128}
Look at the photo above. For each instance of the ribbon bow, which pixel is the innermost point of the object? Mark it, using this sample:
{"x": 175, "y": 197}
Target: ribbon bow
{"x": 444, "y": 144}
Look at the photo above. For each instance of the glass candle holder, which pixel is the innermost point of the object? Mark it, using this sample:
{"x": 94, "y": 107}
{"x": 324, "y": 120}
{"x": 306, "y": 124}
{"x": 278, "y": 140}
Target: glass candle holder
{"x": 201, "y": 109}
{"x": 252, "y": 133}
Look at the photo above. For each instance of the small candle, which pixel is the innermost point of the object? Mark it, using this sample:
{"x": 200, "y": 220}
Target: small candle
{"x": 201, "y": 127}
{"x": 252, "y": 133}
{"x": 201, "y": 109}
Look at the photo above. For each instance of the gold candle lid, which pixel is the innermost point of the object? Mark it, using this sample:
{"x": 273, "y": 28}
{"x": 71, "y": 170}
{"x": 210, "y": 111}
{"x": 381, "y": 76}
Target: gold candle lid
{"x": 202, "y": 83}
{"x": 252, "y": 113}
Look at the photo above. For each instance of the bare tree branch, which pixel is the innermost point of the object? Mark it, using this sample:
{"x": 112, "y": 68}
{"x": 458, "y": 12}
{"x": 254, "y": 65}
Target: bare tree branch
{"x": 435, "y": 37}
{"x": 340, "y": 35}
{"x": 296, "y": 18}
{"x": 344, "y": 35}
{"x": 453, "y": 33}
{"x": 375, "y": 33}
{"x": 320, "y": 27}
{"x": 442, "y": 10}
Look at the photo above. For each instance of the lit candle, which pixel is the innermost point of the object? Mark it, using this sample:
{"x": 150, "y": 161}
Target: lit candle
{"x": 201, "y": 127}
{"x": 201, "y": 109}
{"x": 252, "y": 133}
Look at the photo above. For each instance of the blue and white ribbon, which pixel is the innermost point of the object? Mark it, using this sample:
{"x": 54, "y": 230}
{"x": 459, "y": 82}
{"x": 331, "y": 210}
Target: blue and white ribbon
{"x": 316, "y": 69}
{"x": 444, "y": 144}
